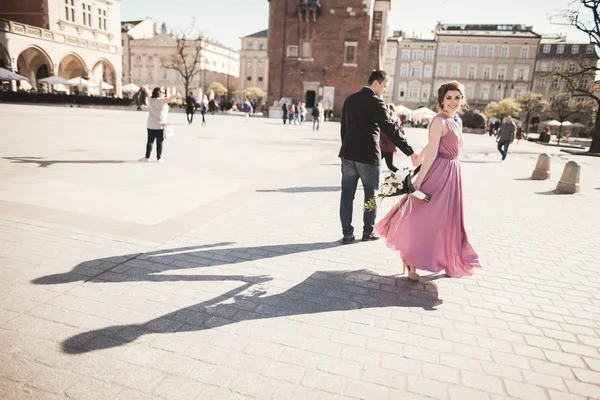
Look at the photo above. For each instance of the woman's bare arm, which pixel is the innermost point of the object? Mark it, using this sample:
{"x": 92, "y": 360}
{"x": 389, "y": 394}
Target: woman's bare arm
{"x": 430, "y": 151}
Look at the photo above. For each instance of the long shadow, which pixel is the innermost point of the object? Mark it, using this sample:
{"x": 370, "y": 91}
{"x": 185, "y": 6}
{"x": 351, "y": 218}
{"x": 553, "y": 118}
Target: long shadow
{"x": 150, "y": 266}
{"x": 303, "y": 189}
{"x": 323, "y": 291}
{"x": 46, "y": 163}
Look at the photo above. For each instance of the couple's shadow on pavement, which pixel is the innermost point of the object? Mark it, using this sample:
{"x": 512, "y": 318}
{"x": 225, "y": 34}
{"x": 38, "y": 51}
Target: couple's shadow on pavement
{"x": 44, "y": 163}
{"x": 323, "y": 291}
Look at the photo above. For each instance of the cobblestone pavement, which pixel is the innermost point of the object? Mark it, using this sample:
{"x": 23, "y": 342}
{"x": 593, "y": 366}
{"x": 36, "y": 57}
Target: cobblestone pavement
{"x": 218, "y": 274}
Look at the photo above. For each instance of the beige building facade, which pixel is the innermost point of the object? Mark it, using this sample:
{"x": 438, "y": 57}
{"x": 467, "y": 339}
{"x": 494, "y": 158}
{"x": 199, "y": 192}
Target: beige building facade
{"x": 68, "y": 38}
{"x": 493, "y": 62}
{"x": 148, "y": 50}
{"x": 410, "y": 65}
{"x": 254, "y": 62}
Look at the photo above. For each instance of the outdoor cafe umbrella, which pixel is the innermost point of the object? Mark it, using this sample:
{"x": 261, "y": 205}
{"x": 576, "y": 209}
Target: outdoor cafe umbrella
{"x": 551, "y": 123}
{"x": 424, "y": 112}
{"x": 54, "y": 80}
{"x": 80, "y": 82}
{"x": 6, "y": 75}
{"x": 566, "y": 123}
{"x": 103, "y": 85}
{"x": 130, "y": 88}
{"x": 400, "y": 109}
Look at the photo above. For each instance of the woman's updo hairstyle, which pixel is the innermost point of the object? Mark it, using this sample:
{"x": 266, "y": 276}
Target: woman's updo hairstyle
{"x": 448, "y": 86}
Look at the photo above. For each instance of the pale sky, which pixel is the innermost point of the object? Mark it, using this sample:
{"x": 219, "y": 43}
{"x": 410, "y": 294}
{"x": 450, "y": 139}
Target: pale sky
{"x": 228, "y": 20}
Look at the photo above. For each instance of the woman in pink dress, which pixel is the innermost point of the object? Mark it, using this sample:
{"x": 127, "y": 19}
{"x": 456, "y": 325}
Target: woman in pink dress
{"x": 431, "y": 236}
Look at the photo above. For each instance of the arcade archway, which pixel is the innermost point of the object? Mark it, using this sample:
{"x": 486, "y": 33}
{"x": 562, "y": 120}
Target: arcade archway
{"x": 34, "y": 64}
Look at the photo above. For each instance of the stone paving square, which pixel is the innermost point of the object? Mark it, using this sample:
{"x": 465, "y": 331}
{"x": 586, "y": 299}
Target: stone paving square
{"x": 219, "y": 273}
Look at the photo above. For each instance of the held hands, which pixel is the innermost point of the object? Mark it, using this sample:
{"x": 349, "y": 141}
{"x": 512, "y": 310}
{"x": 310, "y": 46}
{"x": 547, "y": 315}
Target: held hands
{"x": 416, "y": 159}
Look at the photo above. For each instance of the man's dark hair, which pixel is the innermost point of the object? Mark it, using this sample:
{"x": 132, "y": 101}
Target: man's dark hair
{"x": 377, "y": 75}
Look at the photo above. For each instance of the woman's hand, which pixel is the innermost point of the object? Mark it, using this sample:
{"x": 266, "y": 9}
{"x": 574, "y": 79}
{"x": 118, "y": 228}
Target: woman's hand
{"x": 417, "y": 184}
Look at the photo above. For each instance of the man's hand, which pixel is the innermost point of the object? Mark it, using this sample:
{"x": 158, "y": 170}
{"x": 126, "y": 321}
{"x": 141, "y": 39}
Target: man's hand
{"x": 415, "y": 159}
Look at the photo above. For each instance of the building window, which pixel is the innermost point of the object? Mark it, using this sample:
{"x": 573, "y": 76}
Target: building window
{"x": 428, "y": 71}
{"x": 544, "y": 66}
{"x": 260, "y": 78}
{"x": 498, "y": 94}
{"x": 261, "y": 63}
{"x": 501, "y": 73}
{"x": 406, "y": 54}
{"x": 350, "y": 53}
{"x": 443, "y": 49}
{"x": 102, "y": 19}
{"x": 441, "y": 71}
{"x": 415, "y": 71}
{"x": 490, "y": 52}
{"x": 560, "y": 49}
{"x": 429, "y": 56}
{"x": 474, "y": 51}
{"x": 484, "y": 93}
{"x": 547, "y": 48}
{"x": 425, "y": 94}
{"x": 454, "y": 71}
{"x": 150, "y": 75}
{"x": 377, "y": 25}
{"x": 521, "y": 74}
{"x": 504, "y": 52}
{"x": 589, "y": 49}
{"x": 70, "y": 10}
{"x": 404, "y": 70}
{"x": 306, "y": 49}
{"x": 292, "y": 51}
{"x": 557, "y": 66}
{"x": 575, "y": 49}
{"x": 249, "y": 64}
{"x": 261, "y": 46}
{"x": 457, "y": 50}
{"x": 413, "y": 93}
{"x": 471, "y": 74}
{"x": 541, "y": 82}
{"x": 87, "y": 14}
{"x": 163, "y": 73}
{"x": 150, "y": 58}
{"x": 469, "y": 92}
{"x": 418, "y": 55}
{"x": 572, "y": 67}
{"x": 524, "y": 52}
{"x": 249, "y": 78}
{"x": 401, "y": 92}
{"x": 138, "y": 58}
{"x": 250, "y": 46}
{"x": 554, "y": 83}
{"x": 487, "y": 73}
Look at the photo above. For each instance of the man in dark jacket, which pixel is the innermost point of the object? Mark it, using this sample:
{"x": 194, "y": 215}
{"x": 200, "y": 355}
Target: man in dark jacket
{"x": 284, "y": 108}
{"x": 364, "y": 118}
{"x": 190, "y": 107}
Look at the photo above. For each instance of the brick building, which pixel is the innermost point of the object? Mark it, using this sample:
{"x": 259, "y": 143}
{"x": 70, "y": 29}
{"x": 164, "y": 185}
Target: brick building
{"x": 323, "y": 51}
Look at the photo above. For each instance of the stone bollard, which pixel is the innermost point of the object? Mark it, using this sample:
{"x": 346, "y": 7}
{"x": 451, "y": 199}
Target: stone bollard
{"x": 542, "y": 168}
{"x": 569, "y": 181}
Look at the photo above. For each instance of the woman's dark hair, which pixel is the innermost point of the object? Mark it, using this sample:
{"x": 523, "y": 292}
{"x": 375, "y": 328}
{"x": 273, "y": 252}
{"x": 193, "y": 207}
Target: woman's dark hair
{"x": 155, "y": 92}
{"x": 448, "y": 86}
{"x": 377, "y": 75}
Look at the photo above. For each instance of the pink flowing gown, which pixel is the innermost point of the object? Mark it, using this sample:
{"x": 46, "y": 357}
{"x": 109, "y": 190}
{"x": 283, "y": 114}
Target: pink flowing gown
{"x": 431, "y": 236}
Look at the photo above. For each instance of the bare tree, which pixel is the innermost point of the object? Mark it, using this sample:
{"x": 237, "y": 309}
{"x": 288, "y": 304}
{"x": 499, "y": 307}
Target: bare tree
{"x": 186, "y": 60}
{"x": 564, "y": 105}
{"x": 579, "y": 77}
{"x": 531, "y": 103}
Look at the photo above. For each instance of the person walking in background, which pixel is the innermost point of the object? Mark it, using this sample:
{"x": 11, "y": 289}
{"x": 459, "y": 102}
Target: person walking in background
{"x": 317, "y": 112}
{"x": 519, "y": 133}
{"x": 506, "y": 135}
{"x": 432, "y": 236}
{"x": 158, "y": 110}
{"x": 388, "y": 148}
{"x": 297, "y": 113}
{"x": 364, "y": 117}
{"x": 291, "y": 113}
{"x": 204, "y": 108}
{"x": 247, "y": 109}
{"x": 284, "y": 109}
{"x": 302, "y": 107}
{"x": 190, "y": 107}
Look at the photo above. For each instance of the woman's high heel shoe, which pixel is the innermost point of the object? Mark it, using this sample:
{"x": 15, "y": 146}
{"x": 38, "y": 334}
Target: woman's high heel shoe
{"x": 412, "y": 275}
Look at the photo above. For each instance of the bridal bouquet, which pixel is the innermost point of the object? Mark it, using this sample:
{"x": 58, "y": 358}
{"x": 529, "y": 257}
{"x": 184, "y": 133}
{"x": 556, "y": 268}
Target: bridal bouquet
{"x": 397, "y": 184}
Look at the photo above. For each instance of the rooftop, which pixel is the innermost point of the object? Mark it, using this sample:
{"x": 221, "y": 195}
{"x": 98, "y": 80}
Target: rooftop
{"x": 485, "y": 30}
{"x": 261, "y": 34}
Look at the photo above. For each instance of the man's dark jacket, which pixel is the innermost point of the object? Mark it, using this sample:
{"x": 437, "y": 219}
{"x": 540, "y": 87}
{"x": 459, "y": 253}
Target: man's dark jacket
{"x": 364, "y": 118}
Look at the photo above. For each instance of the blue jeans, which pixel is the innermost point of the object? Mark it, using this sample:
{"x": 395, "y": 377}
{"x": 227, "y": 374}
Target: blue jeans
{"x": 503, "y": 147}
{"x": 369, "y": 177}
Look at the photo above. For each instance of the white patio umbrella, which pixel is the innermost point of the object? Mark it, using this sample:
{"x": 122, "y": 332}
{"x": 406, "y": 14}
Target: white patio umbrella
{"x": 400, "y": 109}
{"x": 551, "y": 123}
{"x": 103, "y": 85}
{"x": 55, "y": 80}
{"x": 80, "y": 82}
{"x": 6, "y": 75}
{"x": 130, "y": 88}
{"x": 566, "y": 123}
{"x": 577, "y": 125}
{"x": 424, "y": 112}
